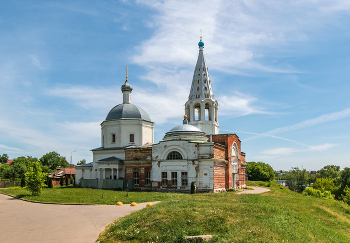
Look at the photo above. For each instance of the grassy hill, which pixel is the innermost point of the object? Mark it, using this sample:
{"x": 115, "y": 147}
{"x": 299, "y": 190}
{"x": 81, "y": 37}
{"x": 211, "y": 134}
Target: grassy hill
{"x": 276, "y": 216}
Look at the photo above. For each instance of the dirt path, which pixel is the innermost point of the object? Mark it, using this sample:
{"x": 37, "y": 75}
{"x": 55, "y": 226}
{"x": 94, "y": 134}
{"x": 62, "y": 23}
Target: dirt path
{"x": 256, "y": 190}
{"x": 22, "y": 221}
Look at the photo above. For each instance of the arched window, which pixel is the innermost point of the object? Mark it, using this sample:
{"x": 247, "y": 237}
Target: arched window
{"x": 197, "y": 80}
{"x": 197, "y": 88}
{"x": 174, "y": 155}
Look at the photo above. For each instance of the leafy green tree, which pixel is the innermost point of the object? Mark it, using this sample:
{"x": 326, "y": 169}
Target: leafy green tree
{"x": 35, "y": 178}
{"x": 82, "y": 162}
{"x": 259, "y": 171}
{"x": 344, "y": 178}
{"x": 61, "y": 181}
{"x": 297, "y": 179}
{"x": 4, "y": 158}
{"x": 53, "y": 160}
{"x": 331, "y": 172}
{"x": 3, "y": 168}
{"x": 72, "y": 180}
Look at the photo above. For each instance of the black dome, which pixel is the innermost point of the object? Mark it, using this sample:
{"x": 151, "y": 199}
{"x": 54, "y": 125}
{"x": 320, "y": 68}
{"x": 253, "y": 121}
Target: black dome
{"x": 127, "y": 111}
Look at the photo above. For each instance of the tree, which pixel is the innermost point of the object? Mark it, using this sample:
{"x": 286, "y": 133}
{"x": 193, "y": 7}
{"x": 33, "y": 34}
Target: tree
{"x": 49, "y": 182}
{"x": 53, "y": 160}
{"x": 259, "y": 171}
{"x": 346, "y": 195}
{"x": 297, "y": 179}
{"x": 344, "y": 179}
{"x": 61, "y": 181}
{"x": 72, "y": 180}
{"x": 35, "y": 178}
{"x": 331, "y": 172}
{"x": 4, "y": 158}
{"x": 82, "y": 162}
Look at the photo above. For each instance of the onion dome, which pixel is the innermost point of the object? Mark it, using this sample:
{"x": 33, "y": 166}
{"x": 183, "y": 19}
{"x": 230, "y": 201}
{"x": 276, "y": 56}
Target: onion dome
{"x": 126, "y": 86}
{"x": 127, "y": 111}
{"x": 201, "y": 43}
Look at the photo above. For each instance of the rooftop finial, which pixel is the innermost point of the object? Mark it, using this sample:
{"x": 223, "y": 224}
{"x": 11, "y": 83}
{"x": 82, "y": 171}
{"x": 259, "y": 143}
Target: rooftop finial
{"x": 126, "y": 73}
{"x": 185, "y": 120}
{"x": 201, "y": 34}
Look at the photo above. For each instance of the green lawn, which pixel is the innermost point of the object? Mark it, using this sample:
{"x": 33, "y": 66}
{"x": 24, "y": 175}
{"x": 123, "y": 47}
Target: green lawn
{"x": 91, "y": 196}
{"x": 276, "y": 216}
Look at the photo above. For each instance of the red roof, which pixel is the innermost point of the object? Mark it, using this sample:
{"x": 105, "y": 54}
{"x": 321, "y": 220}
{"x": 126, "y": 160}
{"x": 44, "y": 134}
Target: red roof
{"x": 9, "y": 161}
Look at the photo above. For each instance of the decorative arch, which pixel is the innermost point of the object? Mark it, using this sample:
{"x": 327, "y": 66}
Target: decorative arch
{"x": 174, "y": 155}
{"x": 235, "y": 150}
{"x": 173, "y": 148}
{"x": 197, "y": 112}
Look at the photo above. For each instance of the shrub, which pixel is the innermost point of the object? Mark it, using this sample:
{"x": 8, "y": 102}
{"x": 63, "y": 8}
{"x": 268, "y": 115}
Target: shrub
{"x": 61, "y": 181}
{"x": 72, "y": 180}
{"x": 231, "y": 190}
{"x": 317, "y": 193}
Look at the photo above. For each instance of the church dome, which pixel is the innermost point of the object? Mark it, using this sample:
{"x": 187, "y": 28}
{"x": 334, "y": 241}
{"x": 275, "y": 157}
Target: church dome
{"x": 200, "y": 43}
{"x": 127, "y": 111}
{"x": 126, "y": 86}
{"x": 185, "y": 132}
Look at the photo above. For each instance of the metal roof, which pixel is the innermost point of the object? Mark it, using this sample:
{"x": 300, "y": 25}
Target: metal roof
{"x": 127, "y": 111}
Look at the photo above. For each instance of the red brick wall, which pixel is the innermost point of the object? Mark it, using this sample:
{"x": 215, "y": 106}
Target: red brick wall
{"x": 138, "y": 154}
{"x": 219, "y": 176}
{"x": 219, "y": 152}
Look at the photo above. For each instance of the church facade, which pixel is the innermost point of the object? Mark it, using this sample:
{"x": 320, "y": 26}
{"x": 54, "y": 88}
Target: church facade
{"x": 194, "y": 151}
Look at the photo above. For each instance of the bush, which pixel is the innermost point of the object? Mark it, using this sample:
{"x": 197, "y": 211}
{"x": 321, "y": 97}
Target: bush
{"x": 318, "y": 193}
{"x": 259, "y": 171}
{"x": 72, "y": 180}
{"x": 230, "y": 190}
{"x": 61, "y": 181}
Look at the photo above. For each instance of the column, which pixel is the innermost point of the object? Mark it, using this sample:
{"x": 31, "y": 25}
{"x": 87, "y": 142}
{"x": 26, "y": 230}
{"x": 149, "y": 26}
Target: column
{"x": 104, "y": 173}
{"x": 191, "y": 113}
{"x": 117, "y": 172}
{"x": 202, "y": 111}
{"x": 112, "y": 173}
{"x": 212, "y": 112}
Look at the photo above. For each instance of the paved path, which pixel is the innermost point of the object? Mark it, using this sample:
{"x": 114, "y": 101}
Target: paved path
{"x": 256, "y": 190}
{"x": 22, "y": 221}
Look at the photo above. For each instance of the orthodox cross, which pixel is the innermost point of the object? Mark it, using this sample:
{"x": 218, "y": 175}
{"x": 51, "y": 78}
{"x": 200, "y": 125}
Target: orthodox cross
{"x": 126, "y": 73}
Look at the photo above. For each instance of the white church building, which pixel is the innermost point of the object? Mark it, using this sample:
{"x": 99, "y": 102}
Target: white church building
{"x": 194, "y": 151}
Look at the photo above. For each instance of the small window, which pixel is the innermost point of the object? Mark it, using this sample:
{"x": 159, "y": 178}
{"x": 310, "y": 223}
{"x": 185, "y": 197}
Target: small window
{"x": 113, "y": 138}
{"x": 132, "y": 138}
{"x": 205, "y": 88}
{"x": 205, "y": 81}
{"x": 197, "y": 80}
{"x": 148, "y": 178}
{"x": 197, "y": 88}
{"x": 164, "y": 179}
{"x": 136, "y": 178}
{"x": 204, "y": 74}
{"x": 184, "y": 181}
{"x": 174, "y": 155}
{"x": 174, "y": 178}
{"x": 199, "y": 74}
{"x": 199, "y": 69}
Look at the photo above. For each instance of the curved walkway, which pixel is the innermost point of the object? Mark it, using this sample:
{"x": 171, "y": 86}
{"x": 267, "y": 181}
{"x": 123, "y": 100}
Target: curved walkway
{"x": 22, "y": 221}
{"x": 256, "y": 190}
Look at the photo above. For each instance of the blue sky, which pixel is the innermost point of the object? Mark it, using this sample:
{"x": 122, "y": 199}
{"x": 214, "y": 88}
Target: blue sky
{"x": 279, "y": 70}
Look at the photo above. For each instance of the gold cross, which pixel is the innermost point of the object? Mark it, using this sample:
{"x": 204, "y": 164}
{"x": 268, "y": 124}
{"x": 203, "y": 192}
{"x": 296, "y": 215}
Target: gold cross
{"x": 201, "y": 34}
{"x": 126, "y": 73}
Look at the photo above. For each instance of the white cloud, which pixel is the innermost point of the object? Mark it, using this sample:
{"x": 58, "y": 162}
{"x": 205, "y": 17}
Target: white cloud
{"x": 8, "y": 148}
{"x": 280, "y": 151}
{"x": 289, "y": 151}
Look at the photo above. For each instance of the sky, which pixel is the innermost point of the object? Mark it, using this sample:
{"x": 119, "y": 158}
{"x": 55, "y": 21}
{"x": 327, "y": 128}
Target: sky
{"x": 279, "y": 71}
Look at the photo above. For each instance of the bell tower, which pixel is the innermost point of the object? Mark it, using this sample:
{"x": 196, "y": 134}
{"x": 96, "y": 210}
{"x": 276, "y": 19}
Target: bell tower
{"x": 201, "y": 107}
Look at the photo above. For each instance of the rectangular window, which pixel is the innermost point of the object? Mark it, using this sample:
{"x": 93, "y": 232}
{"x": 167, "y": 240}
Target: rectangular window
{"x": 132, "y": 138}
{"x": 148, "y": 178}
{"x": 164, "y": 179}
{"x": 136, "y": 178}
{"x": 113, "y": 138}
{"x": 174, "y": 178}
{"x": 184, "y": 181}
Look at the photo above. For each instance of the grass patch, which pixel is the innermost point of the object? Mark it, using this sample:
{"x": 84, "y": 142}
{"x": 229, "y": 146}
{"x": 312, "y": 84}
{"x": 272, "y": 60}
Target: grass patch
{"x": 277, "y": 216}
{"x": 67, "y": 195}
